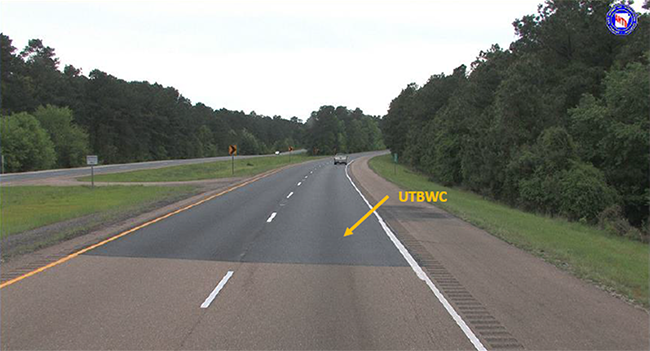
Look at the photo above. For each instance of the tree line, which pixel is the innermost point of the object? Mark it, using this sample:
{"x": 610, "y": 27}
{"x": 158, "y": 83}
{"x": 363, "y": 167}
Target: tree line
{"x": 557, "y": 123}
{"x": 333, "y": 130}
{"x": 53, "y": 118}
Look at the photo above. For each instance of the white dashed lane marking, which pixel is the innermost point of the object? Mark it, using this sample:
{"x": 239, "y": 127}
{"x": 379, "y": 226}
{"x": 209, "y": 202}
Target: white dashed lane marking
{"x": 216, "y": 290}
{"x": 271, "y": 218}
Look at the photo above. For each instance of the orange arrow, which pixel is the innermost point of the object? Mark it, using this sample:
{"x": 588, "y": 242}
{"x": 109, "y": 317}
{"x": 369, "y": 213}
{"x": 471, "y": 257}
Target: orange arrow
{"x": 348, "y": 231}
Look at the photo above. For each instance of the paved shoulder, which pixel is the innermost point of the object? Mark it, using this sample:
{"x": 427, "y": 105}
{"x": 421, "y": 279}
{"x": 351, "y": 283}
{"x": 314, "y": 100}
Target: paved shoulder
{"x": 293, "y": 280}
{"x": 509, "y": 297}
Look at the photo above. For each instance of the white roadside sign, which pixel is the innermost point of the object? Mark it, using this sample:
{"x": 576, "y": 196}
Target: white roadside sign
{"x": 91, "y": 160}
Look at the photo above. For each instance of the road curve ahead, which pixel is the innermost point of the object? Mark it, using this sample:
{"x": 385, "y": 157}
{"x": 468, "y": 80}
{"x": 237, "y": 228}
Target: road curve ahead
{"x": 264, "y": 266}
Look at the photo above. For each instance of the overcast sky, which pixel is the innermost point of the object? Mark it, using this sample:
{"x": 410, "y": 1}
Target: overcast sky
{"x": 274, "y": 57}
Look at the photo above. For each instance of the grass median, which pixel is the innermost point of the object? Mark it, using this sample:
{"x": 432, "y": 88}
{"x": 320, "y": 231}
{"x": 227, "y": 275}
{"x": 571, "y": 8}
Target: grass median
{"x": 202, "y": 171}
{"x": 29, "y": 207}
{"x": 617, "y": 264}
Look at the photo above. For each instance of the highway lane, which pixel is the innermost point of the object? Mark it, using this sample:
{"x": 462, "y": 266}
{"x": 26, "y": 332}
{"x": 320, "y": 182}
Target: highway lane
{"x": 296, "y": 282}
{"x": 123, "y": 167}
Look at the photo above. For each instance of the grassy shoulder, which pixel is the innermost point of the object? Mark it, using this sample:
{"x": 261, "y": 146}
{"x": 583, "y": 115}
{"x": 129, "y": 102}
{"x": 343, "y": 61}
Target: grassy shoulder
{"x": 616, "y": 263}
{"x": 29, "y": 207}
{"x": 212, "y": 170}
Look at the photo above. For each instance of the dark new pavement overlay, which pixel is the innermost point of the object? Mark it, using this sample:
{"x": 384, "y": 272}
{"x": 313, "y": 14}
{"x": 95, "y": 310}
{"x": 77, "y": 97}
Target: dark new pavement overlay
{"x": 307, "y": 229}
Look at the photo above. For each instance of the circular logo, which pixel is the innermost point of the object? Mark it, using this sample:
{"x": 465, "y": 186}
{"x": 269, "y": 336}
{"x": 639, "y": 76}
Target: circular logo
{"x": 621, "y": 19}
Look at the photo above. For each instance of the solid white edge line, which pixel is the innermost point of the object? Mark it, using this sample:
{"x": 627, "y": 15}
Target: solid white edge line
{"x": 216, "y": 290}
{"x": 271, "y": 218}
{"x": 291, "y": 193}
{"x": 421, "y": 274}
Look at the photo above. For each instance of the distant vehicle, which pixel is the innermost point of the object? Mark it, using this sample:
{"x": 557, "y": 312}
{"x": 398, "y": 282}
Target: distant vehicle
{"x": 340, "y": 158}
{"x": 277, "y": 152}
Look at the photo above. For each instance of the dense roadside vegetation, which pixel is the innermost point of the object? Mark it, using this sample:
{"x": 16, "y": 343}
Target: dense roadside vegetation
{"x": 590, "y": 253}
{"x": 53, "y": 118}
{"x": 29, "y": 207}
{"x": 212, "y": 170}
{"x": 119, "y": 121}
{"x": 331, "y": 130}
{"x": 556, "y": 124}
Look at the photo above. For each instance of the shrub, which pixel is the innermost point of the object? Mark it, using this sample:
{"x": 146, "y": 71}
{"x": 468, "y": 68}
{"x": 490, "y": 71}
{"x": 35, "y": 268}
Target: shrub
{"x": 70, "y": 141}
{"x": 540, "y": 193}
{"x": 583, "y": 192}
{"x": 26, "y": 146}
{"x": 645, "y": 232}
{"x": 611, "y": 219}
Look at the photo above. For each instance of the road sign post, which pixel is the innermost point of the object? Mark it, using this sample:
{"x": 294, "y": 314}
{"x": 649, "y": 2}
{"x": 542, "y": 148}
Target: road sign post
{"x": 232, "y": 150}
{"x": 395, "y": 163}
{"x": 2, "y": 162}
{"x": 92, "y": 160}
{"x": 290, "y": 152}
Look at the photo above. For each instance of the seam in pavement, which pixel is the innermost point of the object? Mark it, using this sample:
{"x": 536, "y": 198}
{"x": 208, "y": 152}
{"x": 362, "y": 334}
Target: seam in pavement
{"x": 204, "y": 312}
{"x": 421, "y": 274}
{"x": 55, "y": 260}
{"x": 490, "y": 329}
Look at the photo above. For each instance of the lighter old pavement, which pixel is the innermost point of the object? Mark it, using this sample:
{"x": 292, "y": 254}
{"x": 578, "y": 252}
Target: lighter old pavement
{"x": 266, "y": 266}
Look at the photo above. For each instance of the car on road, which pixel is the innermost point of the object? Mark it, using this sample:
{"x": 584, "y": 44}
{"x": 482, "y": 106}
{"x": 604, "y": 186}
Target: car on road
{"x": 340, "y": 158}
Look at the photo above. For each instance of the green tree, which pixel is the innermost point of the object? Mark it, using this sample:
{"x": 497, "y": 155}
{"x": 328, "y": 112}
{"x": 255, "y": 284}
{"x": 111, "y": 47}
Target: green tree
{"x": 26, "y": 146}
{"x": 395, "y": 124}
{"x": 331, "y": 130}
{"x": 17, "y": 89}
{"x": 128, "y": 121}
{"x": 323, "y": 131}
{"x": 206, "y": 141}
{"x": 41, "y": 67}
{"x": 249, "y": 144}
{"x": 357, "y": 138}
{"x": 612, "y": 135}
{"x": 70, "y": 141}
{"x": 282, "y": 145}
{"x": 583, "y": 192}
{"x": 567, "y": 101}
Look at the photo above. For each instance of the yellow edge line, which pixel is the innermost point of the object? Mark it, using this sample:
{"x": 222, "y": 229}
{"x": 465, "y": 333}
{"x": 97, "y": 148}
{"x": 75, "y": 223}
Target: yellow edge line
{"x": 117, "y": 236}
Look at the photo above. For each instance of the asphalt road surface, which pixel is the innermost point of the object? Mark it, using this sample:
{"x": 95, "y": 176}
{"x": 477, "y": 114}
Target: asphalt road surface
{"x": 266, "y": 266}
{"x": 122, "y": 167}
